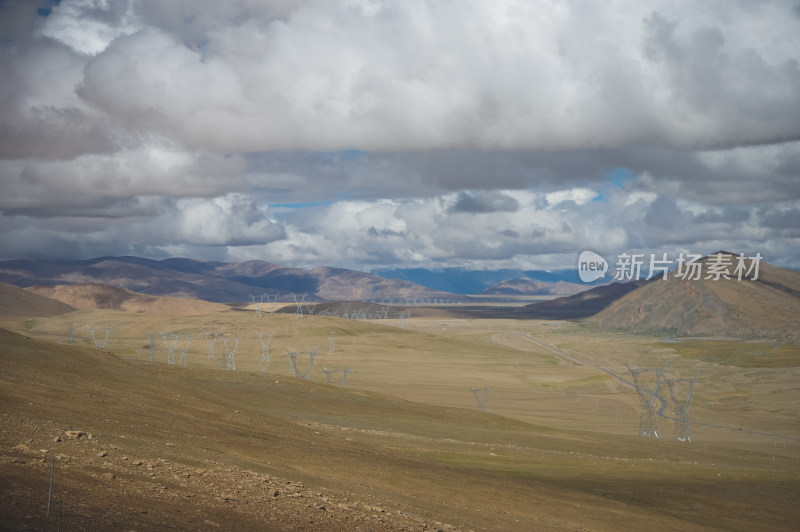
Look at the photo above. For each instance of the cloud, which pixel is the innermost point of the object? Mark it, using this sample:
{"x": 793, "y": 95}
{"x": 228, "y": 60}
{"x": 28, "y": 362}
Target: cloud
{"x": 198, "y": 227}
{"x": 484, "y": 202}
{"x": 88, "y": 26}
{"x": 231, "y": 220}
{"x": 385, "y": 133}
{"x": 714, "y": 85}
{"x": 416, "y": 75}
{"x": 99, "y": 183}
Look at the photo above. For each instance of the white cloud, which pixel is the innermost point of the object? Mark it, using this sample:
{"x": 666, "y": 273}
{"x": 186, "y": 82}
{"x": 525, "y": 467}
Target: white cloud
{"x": 89, "y": 26}
{"x": 98, "y": 181}
{"x": 230, "y": 220}
{"x": 459, "y": 133}
{"x": 418, "y": 75}
{"x": 579, "y": 196}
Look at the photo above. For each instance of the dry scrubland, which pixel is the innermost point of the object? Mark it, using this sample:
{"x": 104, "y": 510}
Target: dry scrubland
{"x": 404, "y": 445}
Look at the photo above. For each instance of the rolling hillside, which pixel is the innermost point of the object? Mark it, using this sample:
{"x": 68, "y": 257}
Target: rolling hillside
{"x": 768, "y": 307}
{"x": 98, "y": 296}
{"x": 581, "y": 305}
{"x": 523, "y": 286}
{"x": 15, "y": 301}
{"x": 141, "y": 445}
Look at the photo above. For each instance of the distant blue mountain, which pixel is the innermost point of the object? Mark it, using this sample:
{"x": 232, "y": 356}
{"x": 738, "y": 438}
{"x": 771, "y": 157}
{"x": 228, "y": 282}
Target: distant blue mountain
{"x": 464, "y": 281}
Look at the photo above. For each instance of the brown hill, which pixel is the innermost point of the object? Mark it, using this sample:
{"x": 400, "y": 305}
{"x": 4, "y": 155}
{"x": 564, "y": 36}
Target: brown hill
{"x": 99, "y": 296}
{"x": 580, "y": 305}
{"x": 768, "y": 307}
{"x": 340, "y": 284}
{"x": 534, "y": 288}
{"x": 15, "y": 301}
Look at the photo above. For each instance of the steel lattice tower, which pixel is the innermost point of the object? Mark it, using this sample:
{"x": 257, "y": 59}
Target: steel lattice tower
{"x": 648, "y": 427}
{"x": 264, "y": 359}
{"x": 171, "y": 348}
{"x": 292, "y": 356}
{"x": 328, "y": 373}
{"x": 299, "y": 313}
{"x": 182, "y": 352}
{"x": 101, "y": 345}
{"x": 683, "y": 428}
{"x": 229, "y": 360}
{"x": 151, "y": 355}
{"x": 346, "y": 373}
{"x": 210, "y": 341}
{"x": 481, "y": 394}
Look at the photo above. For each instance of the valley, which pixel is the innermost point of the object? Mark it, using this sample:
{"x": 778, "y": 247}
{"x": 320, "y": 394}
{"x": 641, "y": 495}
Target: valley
{"x": 404, "y": 445}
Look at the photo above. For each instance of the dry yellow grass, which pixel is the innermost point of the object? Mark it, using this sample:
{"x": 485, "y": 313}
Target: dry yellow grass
{"x": 557, "y": 447}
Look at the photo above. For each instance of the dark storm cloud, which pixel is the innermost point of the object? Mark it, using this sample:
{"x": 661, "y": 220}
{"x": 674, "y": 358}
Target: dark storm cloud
{"x": 783, "y": 219}
{"x": 484, "y": 202}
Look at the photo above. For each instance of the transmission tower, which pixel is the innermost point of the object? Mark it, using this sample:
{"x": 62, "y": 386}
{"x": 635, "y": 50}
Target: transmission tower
{"x": 171, "y": 347}
{"x": 685, "y": 387}
{"x": 101, "y": 345}
{"x": 299, "y": 304}
{"x": 292, "y": 356}
{"x": 257, "y": 304}
{"x": 272, "y": 303}
{"x": 403, "y": 315}
{"x": 151, "y": 355}
{"x": 346, "y": 373}
{"x": 182, "y": 352}
{"x": 229, "y": 361}
{"x": 328, "y": 373}
{"x": 346, "y": 307}
{"x": 332, "y": 339}
{"x": 71, "y": 334}
{"x": 210, "y": 341}
{"x": 481, "y": 394}
{"x": 264, "y": 359}
{"x": 649, "y": 399}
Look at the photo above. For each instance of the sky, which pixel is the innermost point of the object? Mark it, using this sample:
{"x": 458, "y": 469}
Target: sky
{"x": 371, "y": 134}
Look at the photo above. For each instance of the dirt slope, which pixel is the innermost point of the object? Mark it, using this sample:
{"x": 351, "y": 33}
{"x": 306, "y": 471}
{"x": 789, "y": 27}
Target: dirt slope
{"x": 99, "y": 296}
{"x": 15, "y": 301}
{"x": 580, "y": 305}
{"x": 768, "y": 307}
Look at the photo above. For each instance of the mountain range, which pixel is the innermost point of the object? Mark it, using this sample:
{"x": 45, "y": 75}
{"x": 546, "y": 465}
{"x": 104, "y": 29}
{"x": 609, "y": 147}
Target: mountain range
{"x": 467, "y": 281}
{"x": 764, "y": 307}
{"x": 532, "y": 287}
{"x": 228, "y": 282}
{"x": 212, "y": 281}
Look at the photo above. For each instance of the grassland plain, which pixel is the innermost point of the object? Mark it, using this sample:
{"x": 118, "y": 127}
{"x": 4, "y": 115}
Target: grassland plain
{"x": 404, "y": 446}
